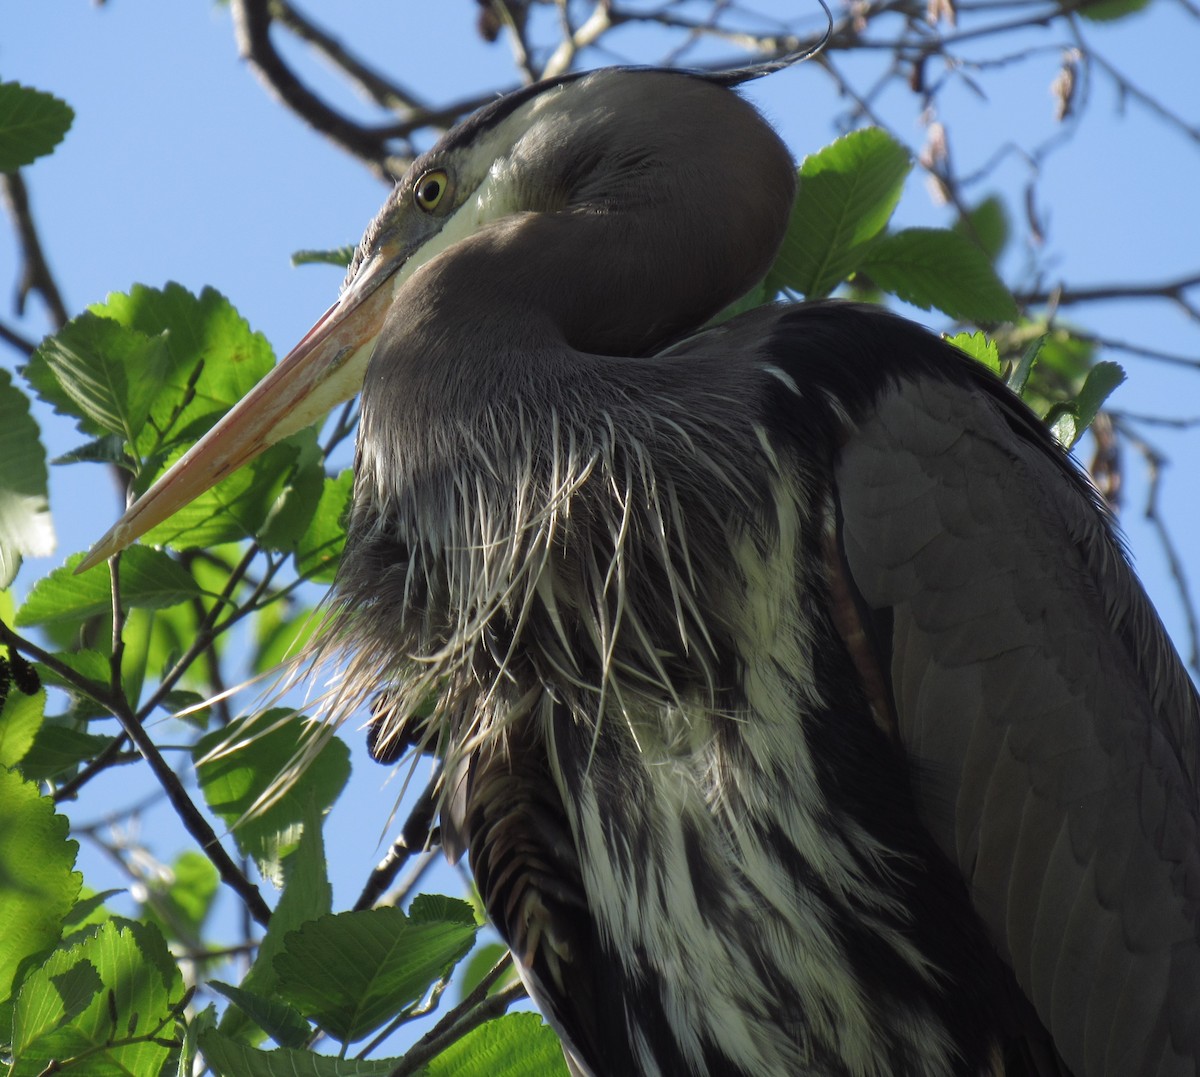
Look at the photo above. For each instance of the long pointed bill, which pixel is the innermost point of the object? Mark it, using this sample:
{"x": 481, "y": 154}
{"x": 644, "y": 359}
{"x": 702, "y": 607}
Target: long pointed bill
{"x": 324, "y": 369}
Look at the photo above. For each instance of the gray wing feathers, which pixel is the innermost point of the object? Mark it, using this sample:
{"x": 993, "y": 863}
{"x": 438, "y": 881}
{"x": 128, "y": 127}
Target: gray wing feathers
{"x": 1051, "y": 727}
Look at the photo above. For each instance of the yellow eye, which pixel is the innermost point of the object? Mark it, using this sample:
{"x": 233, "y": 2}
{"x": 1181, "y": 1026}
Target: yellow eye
{"x": 430, "y": 189}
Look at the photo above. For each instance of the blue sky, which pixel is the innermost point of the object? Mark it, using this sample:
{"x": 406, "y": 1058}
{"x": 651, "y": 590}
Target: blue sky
{"x": 181, "y": 167}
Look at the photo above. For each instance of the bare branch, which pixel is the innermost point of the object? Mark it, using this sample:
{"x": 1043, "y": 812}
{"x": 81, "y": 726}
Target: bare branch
{"x": 1174, "y": 290}
{"x": 252, "y": 26}
{"x": 35, "y": 272}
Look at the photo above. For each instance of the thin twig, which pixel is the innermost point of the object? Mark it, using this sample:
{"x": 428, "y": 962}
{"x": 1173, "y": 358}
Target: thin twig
{"x": 476, "y": 1008}
{"x": 15, "y": 340}
{"x": 414, "y": 836}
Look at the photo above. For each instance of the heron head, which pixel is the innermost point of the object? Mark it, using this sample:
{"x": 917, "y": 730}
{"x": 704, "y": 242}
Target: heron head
{"x": 623, "y": 166}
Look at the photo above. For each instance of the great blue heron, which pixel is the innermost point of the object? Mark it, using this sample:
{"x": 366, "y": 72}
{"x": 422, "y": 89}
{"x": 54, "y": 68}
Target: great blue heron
{"x": 799, "y": 708}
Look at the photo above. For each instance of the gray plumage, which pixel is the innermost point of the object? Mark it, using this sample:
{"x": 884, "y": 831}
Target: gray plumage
{"x": 799, "y": 711}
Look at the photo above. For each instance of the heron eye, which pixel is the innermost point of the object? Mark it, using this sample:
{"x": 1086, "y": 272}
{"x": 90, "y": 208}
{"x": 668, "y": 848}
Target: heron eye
{"x": 430, "y": 189}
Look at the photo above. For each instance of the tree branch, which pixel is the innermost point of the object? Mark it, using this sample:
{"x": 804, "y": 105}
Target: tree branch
{"x": 1063, "y": 296}
{"x": 35, "y": 272}
{"x": 252, "y": 29}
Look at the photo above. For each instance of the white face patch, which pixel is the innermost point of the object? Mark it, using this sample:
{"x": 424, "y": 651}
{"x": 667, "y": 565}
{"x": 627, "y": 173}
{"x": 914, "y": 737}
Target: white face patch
{"x": 498, "y": 194}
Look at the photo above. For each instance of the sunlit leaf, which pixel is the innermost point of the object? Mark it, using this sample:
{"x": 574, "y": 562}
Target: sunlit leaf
{"x": 104, "y": 374}
{"x": 978, "y": 347}
{"x": 337, "y": 256}
{"x": 26, "y": 529}
{"x": 290, "y": 515}
{"x": 20, "y": 719}
{"x": 183, "y": 901}
{"x": 213, "y": 357}
{"x": 37, "y": 883}
{"x": 237, "y": 765}
{"x": 1064, "y": 425}
{"x": 149, "y": 580}
{"x": 228, "y": 1058}
{"x": 847, "y": 192}
{"x": 320, "y": 550}
{"x": 934, "y": 267}
{"x": 138, "y": 984}
{"x": 352, "y": 972}
{"x": 51, "y": 1001}
{"x": 306, "y": 896}
{"x": 515, "y": 1045}
{"x": 237, "y": 507}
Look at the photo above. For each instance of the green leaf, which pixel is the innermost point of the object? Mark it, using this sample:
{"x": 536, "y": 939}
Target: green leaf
{"x": 482, "y": 960}
{"x": 139, "y": 982}
{"x": 980, "y": 348}
{"x": 1068, "y": 420}
{"x": 289, "y": 517}
{"x": 26, "y": 529}
{"x": 934, "y": 267}
{"x": 280, "y": 633}
{"x": 104, "y": 374}
{"x": 439, "y": 907}
{"x": 1102, "y": 381}
{"x": 353, "y": 972}
{"x": 37, "y": 885}
{"x": 53, "y": 1000}
{"x": 306, "y": 896}
{"x": 214, "y": 358}
{"x": 277, "y": 1019}
{"x": 198, "y": 710}
{"x": 238, "y": 765}
{"x": 32, "y": 123}
{"x": 228, "y": 1058}
{"x": 846, "y": 195}
{"x": 756, "y": 297}
{"x": 237, "y": 507}
{"x": 1065, "y": 356}
{"x": 181, "y": 904}
{"x": 58, "y": 748}
{"x": 89, "y": 909}
{"x": 1063, "y": 425}
{"x": 149, "y": 580}
{"x": 20, "y": 719}
{"x": 1111, "y": 10}
{"x": 337, "y": 256}
{"x": 1019, "y": 377}
{"x": 91, "y": 665}
{"x": 515, "y": 1045}
{"x": 198, "y": 1025}
{"x": 986, "y": 226}
{"x": 320, "y": 550}
{"x": 155, "y": 639}
{"x": 108, "y": 449}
